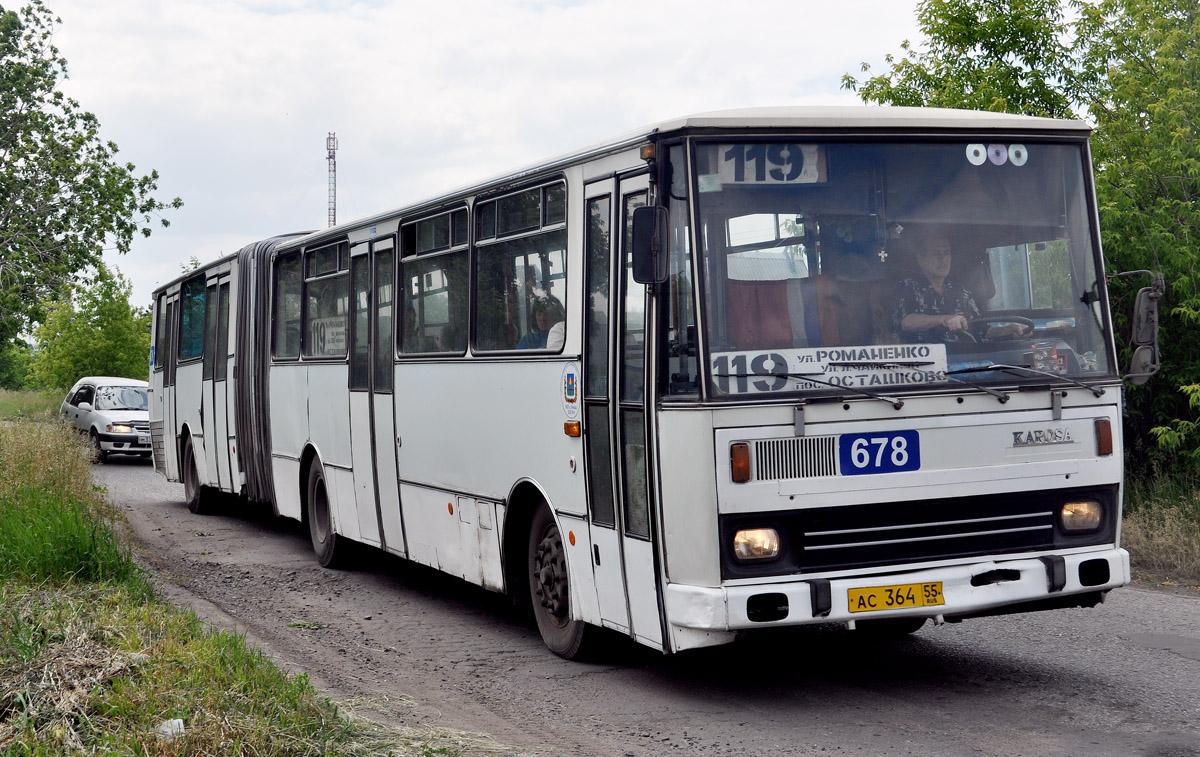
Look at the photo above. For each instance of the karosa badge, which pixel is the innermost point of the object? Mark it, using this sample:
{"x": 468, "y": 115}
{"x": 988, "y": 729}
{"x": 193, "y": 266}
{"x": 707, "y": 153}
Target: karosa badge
{"x": 1041, "y": 437}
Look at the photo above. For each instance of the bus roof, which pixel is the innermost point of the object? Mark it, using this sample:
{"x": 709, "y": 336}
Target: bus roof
{"x": 849, "y": 118}
{"x": 867, "y": 117}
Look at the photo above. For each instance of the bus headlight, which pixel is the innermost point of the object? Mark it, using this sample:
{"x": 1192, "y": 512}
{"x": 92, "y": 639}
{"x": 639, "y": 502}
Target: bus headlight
{"x": 1081, "y": 515}
{"x": 756, "y": 544}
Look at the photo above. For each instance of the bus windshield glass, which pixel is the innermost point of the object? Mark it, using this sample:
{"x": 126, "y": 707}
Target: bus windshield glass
{"x": 889, "y": 266}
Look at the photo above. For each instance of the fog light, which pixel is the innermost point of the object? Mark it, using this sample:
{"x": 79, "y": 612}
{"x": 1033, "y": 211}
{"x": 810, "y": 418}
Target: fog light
{"x": 1083, "y": 515}
{"x": 756, "y": 544}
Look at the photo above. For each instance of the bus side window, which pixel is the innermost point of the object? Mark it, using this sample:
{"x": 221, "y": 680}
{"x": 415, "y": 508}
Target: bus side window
{"x": 286, "y": 308}
{"x": 160, "y": 334}
{"x": 521, "y": 283}
{"x": 327, "y": 302}
{"x": 191, "y": 320}
{"x": 434, "y": 285}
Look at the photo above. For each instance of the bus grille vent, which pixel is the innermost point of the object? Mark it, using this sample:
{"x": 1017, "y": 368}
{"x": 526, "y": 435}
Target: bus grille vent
{"x": 799, "y": 457}
{"x": 156, "y": 441}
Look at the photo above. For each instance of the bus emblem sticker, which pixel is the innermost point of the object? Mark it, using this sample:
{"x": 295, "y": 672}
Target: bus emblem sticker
{"x": 570, "y": 390}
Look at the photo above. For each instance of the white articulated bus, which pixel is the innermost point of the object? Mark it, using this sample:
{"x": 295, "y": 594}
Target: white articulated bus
{"x": 736, "y": 370}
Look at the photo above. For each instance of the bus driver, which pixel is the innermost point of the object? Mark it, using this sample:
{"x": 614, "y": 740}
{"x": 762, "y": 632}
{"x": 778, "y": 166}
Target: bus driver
{"x": 934, "y": 301}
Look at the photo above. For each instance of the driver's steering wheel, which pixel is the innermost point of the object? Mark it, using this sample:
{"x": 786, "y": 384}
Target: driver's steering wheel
{"x": 975, "y": 323}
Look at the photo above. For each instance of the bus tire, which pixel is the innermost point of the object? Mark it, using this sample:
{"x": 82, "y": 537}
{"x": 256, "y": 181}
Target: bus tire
{"x": 550, "y": 590}
{"x": 193, "y": 493}
{"x": 329, "y": 548}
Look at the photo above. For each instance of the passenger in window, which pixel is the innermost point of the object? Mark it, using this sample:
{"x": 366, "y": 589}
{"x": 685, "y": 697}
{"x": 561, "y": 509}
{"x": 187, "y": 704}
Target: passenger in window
{"x": 549, "y": 328}
{"x": 449, "y": 339}
{"x": 932, "y": 306}
{"x": 408, "y": 338}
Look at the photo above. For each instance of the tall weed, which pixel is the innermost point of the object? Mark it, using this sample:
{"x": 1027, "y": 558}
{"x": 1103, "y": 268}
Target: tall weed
{"x": 54, "y": 525}
{"x": 29, "y": 405}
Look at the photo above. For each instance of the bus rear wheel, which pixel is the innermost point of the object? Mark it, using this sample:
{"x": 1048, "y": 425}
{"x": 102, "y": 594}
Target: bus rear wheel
{"x": 550, "y": 590}
{"x": 193, "y": 493}
{"x": 328, "y": 546}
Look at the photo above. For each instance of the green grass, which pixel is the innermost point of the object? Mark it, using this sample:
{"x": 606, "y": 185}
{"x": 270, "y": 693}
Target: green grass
{"x": 30, "y": 405}
{"x": 91, "y": 661}
{"x": 1161, "y": 529}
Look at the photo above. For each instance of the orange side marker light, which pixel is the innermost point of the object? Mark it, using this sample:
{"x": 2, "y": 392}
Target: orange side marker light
{"x": 739, "y": 462}
{"x": 1104, "y": 440}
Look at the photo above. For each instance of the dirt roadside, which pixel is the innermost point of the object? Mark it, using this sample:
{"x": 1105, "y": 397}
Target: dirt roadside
{"x": 386, "y": 639}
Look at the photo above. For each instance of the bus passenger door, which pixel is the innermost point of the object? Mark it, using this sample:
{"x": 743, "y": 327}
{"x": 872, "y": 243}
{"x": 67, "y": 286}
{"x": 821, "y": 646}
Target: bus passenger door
{"x": 213, "y": 397}
{"x": 372, "y": 418}
{"x": 166, "y": 457}
{"x": 614, "y": 403}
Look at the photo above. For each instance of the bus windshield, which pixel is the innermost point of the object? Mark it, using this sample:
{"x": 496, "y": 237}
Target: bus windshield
{"x": 896, "y": 265}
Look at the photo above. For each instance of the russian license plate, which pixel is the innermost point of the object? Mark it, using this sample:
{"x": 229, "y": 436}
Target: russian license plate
{"x": 871, "y": 598}
{"x": 144, "y": 439}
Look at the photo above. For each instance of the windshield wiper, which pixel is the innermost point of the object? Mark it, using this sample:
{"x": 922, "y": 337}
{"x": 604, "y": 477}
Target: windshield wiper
{"x": 1097, "y": 391}
{"x": 1003, "y": 397}
{"x": 895, "y": 402}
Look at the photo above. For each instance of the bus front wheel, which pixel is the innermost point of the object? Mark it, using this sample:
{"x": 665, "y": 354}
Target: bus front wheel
{"x": 327, "y": 545}
{"x": 193, "y": 493}
{"x": 550, "y": 589}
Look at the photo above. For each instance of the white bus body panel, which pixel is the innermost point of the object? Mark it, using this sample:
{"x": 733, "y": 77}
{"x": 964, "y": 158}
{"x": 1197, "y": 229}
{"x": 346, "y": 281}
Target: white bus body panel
{"x": 959, "y": 454}
{"x": 389, "y": 486}
{"x": 289, "y": 434}
{"x": 188, "y": 398}
{"x": 470, "y": 439}
{"x": 364, "y": 473}
{"x": 483, "y": 426}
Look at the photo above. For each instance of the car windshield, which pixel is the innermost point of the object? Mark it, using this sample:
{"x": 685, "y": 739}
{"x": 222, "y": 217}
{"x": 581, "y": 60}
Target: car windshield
{"x": 121, "y": 398}
{"x": 891, "y": 265}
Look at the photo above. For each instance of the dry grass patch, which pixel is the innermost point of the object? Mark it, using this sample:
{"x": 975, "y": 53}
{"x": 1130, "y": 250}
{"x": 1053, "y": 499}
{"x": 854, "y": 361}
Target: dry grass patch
{"x": 1161, "y": 529}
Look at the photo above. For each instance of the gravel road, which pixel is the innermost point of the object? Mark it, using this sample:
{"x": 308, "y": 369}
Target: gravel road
{"x": 405, "y": 643}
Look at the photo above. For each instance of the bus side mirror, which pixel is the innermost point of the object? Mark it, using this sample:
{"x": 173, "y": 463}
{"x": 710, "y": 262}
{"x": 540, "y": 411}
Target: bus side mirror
{"x": 1145, "y": 317}
{"x": 650, "y": 245}
{"x": 1142, "y": 365}
{"x": 1145, "y": 361}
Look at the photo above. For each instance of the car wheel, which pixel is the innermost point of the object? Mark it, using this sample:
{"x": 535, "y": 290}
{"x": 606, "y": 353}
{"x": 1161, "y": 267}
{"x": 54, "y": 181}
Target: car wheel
{"x": 194, "y": 494}
{"x": 550, "y": 590}
{"x": 330, "y": 548}
{"x": 101, "y": 454}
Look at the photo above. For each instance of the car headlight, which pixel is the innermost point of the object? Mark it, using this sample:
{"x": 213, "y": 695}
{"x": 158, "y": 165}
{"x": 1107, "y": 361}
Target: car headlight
{"x": 120, "y": 428}
{"x": 756, "y": 544}
{"x": 1081, "y": 515}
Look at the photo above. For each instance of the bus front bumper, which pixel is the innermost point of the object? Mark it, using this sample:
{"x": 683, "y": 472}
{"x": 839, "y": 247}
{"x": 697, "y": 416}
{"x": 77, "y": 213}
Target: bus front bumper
{"x": 975, "y": 589}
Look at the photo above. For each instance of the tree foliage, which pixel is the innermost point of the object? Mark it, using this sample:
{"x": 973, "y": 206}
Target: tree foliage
{"x": 63, "y": 194}
{"x": 1141, "y": 76}
{"x": 92, "y": 331}
{"x": 999, "y": 55}
{"x": 1133, "y": 66}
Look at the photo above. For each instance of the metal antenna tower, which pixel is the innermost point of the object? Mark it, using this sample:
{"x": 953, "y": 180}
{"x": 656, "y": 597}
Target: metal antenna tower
{"x": 331, "y": 145}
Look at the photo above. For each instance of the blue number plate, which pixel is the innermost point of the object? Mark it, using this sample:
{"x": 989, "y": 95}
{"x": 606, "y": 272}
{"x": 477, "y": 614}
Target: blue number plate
{"x": 885, "y": 452}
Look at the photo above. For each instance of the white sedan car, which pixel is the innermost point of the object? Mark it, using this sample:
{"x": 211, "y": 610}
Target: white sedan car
{"x": 113, "y": 412}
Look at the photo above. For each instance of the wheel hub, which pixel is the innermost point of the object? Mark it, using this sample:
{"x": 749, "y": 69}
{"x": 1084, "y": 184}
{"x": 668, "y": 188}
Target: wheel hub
{"x": 550, "y": 574}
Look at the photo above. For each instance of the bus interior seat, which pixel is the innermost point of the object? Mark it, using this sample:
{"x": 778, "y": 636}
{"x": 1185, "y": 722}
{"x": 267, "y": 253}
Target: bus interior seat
{"x": 807, "y": 312}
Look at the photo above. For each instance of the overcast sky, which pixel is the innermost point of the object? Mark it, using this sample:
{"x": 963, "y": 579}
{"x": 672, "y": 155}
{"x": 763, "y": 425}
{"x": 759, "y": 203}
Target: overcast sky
{"x": 231, "y": 100}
